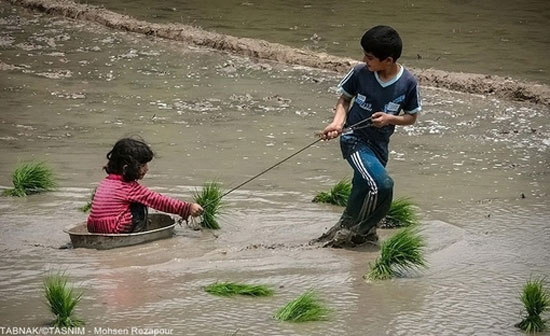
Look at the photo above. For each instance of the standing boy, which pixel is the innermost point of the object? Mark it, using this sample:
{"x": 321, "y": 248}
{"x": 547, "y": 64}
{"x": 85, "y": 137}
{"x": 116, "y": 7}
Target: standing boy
{"x": 377, "y": 91}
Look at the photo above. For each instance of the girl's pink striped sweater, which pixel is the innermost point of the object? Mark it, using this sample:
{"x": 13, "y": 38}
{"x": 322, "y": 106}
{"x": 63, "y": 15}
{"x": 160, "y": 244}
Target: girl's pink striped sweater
{"x": 111, "y": 204}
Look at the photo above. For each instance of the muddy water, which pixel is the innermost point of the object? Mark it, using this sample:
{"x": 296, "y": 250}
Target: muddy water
{"x": 477, "y": 167}
{"x": 507, "y": 38}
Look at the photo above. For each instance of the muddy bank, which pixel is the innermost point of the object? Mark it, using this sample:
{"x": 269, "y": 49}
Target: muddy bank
{"x": 496, "y": 86}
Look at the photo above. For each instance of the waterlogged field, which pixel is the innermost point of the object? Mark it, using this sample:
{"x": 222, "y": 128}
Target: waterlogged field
{"x": 477, "y": 167}
{"x": 486, "y": 37}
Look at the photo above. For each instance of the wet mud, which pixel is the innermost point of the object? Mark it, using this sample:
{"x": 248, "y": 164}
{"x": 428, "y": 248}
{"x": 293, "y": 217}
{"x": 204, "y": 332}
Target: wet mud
{"x": 495, "y": 86}
{"x": 476, "y": 166}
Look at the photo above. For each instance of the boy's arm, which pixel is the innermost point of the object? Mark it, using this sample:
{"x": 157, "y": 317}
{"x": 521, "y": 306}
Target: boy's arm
{"x": 412, "y": 106}
{"x": 381, "y": 119}
{"x": 334, "y": 129}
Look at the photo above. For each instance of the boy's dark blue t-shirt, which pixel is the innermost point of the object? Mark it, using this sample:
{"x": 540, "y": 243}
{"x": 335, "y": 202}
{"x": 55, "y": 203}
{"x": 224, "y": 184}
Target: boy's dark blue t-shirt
{"x": 370, "y": 95}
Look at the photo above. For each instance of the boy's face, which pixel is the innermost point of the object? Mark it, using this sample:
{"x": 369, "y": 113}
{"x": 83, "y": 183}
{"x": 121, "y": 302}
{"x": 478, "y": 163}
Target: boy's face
{"x": 374, "y": 63}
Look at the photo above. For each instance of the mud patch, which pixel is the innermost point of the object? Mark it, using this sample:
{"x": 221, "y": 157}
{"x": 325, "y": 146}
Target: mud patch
{"x": 278, "y": 246}
{"x": 7, "y": 67}
{"x": 56, "y": 74}
{"x": 472, "y": 83}
{"x": 6, "y": 41}
{"x": 502, "y": 87}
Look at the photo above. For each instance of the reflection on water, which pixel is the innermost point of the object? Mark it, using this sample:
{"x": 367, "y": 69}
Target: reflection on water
{"x": 476, "y": 167}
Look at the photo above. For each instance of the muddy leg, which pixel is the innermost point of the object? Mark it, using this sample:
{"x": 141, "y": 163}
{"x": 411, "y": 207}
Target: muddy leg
{"x": 371, "y": 194}
{"x": 344, "y": 222}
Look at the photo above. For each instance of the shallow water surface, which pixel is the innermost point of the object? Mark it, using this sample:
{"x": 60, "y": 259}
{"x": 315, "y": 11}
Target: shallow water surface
{"x": 477, "y": 168}
{"x": 507, "y": 38}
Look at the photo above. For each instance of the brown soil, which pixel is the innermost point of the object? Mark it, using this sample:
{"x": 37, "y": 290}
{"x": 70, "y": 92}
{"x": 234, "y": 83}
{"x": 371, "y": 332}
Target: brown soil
{"x": 472, "y": 83}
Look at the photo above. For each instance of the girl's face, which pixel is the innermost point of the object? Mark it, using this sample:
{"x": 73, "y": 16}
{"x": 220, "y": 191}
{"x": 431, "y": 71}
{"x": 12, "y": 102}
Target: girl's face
{"x": 143, "y": 169}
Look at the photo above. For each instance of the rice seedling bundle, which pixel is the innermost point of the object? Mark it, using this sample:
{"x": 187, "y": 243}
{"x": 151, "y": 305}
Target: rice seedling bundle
{"x": 337, "y": 195}
{"x": 88, "y": 206}
{"x": 307, "y": 307}
{"x": 61, "y": 300}
{"x": 210, "y": 198}
{"x": 233, "y": 288}
{"x": 536, "y": 301}
{"x": 402, "y": 213}
{"x": 401, "y": 252}
{"x": 402, "y": 210}
{"x": 29, "y": 178}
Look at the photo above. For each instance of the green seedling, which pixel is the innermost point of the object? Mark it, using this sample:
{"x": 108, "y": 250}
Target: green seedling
{"x": 401, "y": 252}
{"x": 61, "y": 299}
{"x": 536, "y": 301}
{"x": 402, "y": 210}
{"x": 337, "y": 195}
{"x": 88, "y": 206}
{"x": 233, "y": 288}
{"x": 307, "y": 307}
{"x": 30, "y": 178}
{"x": 402, "y": 213}
{"x": 210, "y": 200}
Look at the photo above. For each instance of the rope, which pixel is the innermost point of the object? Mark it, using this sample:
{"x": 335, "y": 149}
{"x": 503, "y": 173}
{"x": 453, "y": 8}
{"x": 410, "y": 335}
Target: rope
{"x": 348, "y": 129}
{"x": 268, "y": 169}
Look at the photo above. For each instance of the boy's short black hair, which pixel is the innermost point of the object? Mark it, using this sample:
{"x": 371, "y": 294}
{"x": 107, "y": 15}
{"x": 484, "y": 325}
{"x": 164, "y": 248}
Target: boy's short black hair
{"x": 382, "y": 42}
{"x": 126, "y": 157}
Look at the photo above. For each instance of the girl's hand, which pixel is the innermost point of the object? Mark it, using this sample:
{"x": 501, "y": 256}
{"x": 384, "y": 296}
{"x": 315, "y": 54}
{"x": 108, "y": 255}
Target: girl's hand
{"x": 196, "y": 210}
{"x": 332, "y": 131}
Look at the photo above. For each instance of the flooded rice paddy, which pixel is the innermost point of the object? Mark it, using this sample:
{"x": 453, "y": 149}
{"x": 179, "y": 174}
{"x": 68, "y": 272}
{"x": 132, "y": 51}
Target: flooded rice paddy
{"x": 476, "y": 166}
{"x": 496, "y": 37}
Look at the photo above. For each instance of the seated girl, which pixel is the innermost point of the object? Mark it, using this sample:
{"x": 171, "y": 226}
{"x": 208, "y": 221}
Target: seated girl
{"x": 120, "y": 202}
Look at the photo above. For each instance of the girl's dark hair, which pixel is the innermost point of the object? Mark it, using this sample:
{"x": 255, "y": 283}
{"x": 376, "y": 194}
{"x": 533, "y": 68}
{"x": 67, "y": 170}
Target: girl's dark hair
{"x": 382, "y": 42}
{"x": 126, "y": 157}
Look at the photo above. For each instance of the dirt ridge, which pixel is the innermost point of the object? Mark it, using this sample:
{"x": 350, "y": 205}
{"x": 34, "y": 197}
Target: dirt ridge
{"x": 495, "y": 86}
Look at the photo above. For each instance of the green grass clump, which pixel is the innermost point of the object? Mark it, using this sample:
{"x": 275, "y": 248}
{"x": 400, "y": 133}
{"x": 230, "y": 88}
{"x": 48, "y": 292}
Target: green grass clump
{"x": 536, "y": 300}
{"x": 61, "y": 300}
{"x": 402, "y": 210}
{"x": 30, "y": 178}
{"x": 402, "y": 213}
{"x": 337, "y": 195}
{"x": 233, "y": 288}
{"x": 210, "y": 198}
{"x": 88, "y": 206}
{"x": 403, "y": 251}
{"x": 307, "y": 307}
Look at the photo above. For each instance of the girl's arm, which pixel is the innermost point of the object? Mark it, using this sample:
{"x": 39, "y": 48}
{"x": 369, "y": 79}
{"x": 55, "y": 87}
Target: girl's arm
{"x": 143, "y": 195}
